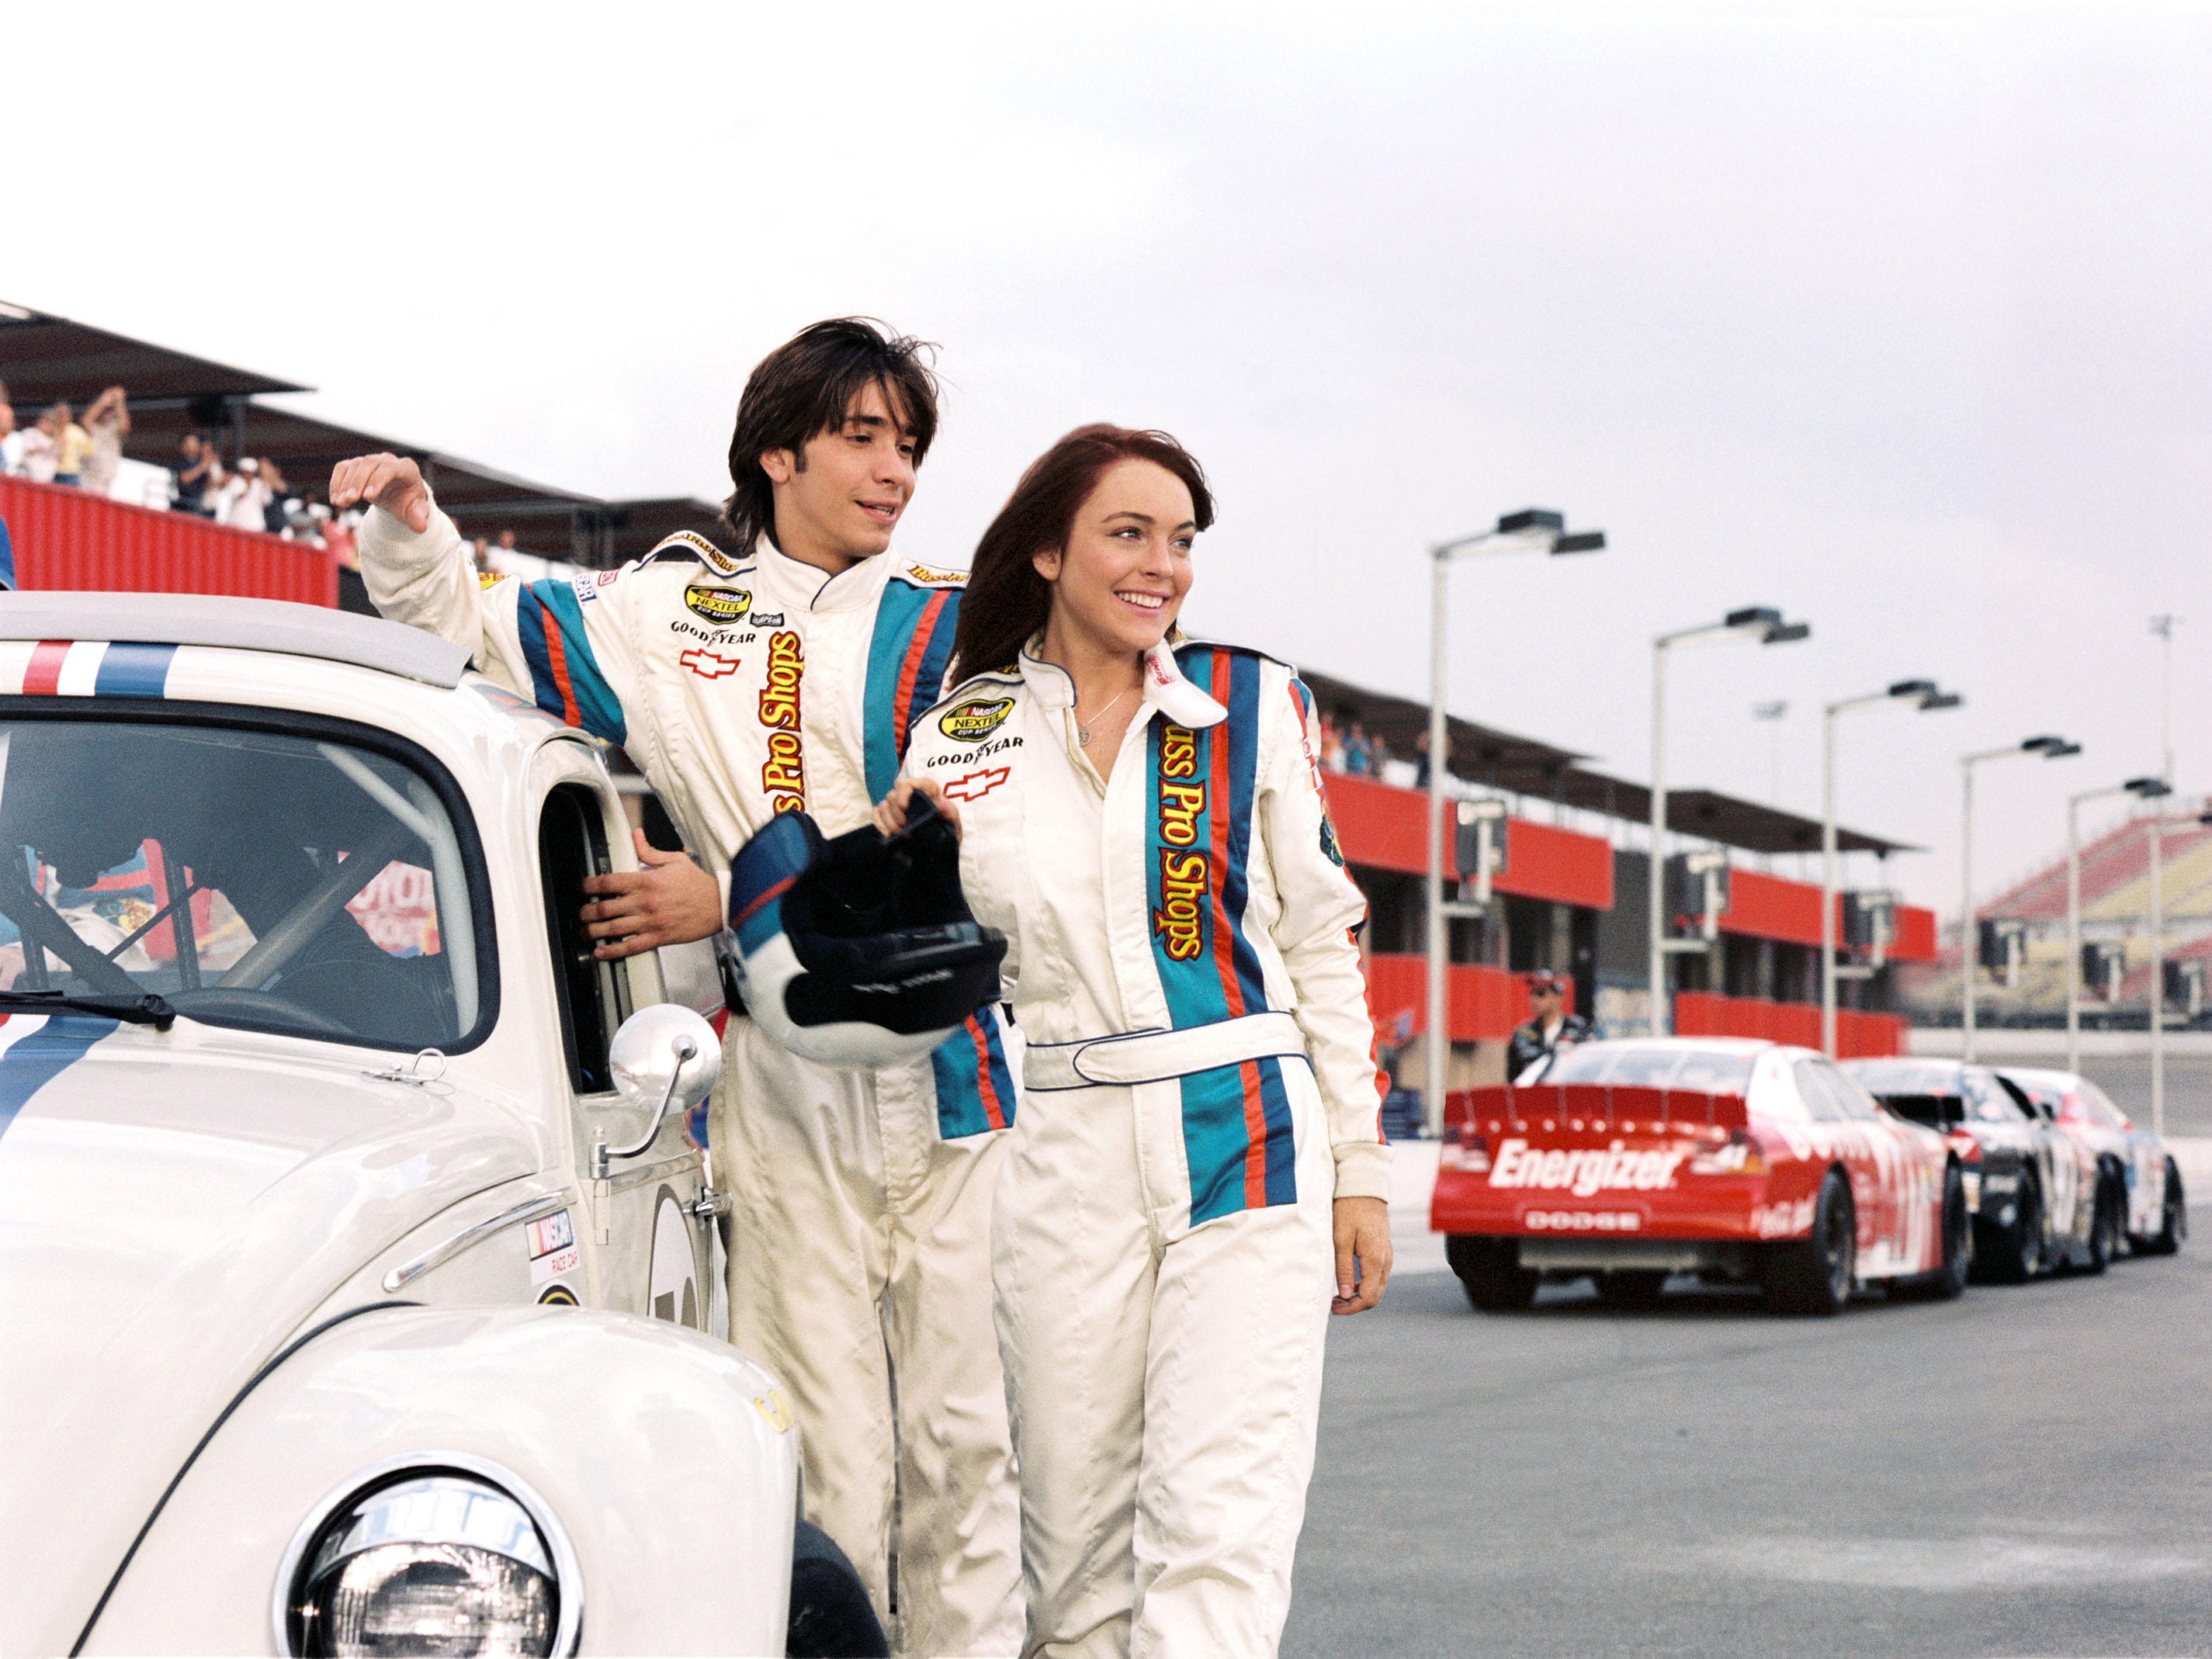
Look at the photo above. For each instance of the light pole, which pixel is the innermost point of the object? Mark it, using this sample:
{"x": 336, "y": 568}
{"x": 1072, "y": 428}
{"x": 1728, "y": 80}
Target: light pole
{"x": 1771, "y": 714}
{"x": 1759, "y": 622}
{"x": 2050, "y": 748}
{"x": 1530, "y": 531}
{"x": 2158, "y": 823}
{"x": 2143, "y": 789}
{"x": 1922, "y": 695}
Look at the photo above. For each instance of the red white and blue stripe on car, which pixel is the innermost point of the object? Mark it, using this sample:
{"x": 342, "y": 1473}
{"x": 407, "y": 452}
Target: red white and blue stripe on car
{"x": 36, "y": 1049}
{"x": 84, "y": 668}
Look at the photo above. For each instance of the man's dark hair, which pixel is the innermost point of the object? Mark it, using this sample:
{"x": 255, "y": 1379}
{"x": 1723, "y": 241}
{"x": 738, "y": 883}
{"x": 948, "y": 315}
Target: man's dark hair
{"x": 804, "y": 388}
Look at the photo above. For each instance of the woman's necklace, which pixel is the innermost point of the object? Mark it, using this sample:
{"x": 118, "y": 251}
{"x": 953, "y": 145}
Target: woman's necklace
{"x": 1082, "y": 731}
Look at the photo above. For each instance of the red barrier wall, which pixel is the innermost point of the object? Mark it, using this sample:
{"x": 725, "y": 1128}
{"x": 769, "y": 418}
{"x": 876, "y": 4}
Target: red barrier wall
{"x": 1381, "y": 826}
{"x": 1858, "y": 1036}
{"x": 1485, "y": 1004}
{"x": 1767, "y": 907}
{"x": 65, "y": 538}
{"x": 1543, "y": 861}
{"x": 1915, "y": 935}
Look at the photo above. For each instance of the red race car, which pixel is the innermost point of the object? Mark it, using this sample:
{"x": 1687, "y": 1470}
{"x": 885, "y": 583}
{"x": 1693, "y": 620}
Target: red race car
{"x": 1751, "y": 1161}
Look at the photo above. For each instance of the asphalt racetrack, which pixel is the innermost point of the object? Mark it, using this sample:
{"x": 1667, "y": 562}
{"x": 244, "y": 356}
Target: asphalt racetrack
{"x": 2020, "y": 1471}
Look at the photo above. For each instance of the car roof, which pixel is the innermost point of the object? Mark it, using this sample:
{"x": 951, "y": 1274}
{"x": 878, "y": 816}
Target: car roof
{"x": 242, "y": 624}
{"x": 1718, "y": 1045}
{"x": 2045, "y": 1075}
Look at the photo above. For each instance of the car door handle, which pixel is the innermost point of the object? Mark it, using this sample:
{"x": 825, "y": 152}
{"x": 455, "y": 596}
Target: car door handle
{"x": 708, "y": 1204}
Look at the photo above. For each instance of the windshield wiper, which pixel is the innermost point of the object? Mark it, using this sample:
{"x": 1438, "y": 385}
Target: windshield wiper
{"x": 146, "y": 1008}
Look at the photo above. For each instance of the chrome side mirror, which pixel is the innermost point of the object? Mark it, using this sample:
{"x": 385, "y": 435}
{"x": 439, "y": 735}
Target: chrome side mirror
{"x": 662, "y": 1056}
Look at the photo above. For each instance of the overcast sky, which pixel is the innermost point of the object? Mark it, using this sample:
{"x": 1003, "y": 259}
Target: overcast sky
{"x": 1899, "y": 319}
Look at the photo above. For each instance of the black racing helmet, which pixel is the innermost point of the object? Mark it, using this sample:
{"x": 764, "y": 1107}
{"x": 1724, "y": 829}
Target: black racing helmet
{"x": 860, "y": 950}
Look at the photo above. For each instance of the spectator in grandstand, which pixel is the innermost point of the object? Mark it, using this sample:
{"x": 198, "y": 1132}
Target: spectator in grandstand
{"x": 108, "y": 421}
{"x": 1359, "y": 757}
{"x": 338, "y": 536}
{"x": 477, "y": 550}
{"x": 1332, "y": 741}
{"x": 188, "y": 474}
{"x": 507, "y": 541}
{"x": 42, "y": 449}
{"x": 1421, "y": 759}
{"x": 277, "y": 512}
{"x": 11, "y": 441}
{"x": 243, "y": 500}
{"x": 72, "y": 443}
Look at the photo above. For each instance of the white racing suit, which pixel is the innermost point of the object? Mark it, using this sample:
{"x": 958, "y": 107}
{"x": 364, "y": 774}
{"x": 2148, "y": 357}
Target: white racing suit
{"x": 860, "y": 1227}
{"x": 1161, "y": 1244}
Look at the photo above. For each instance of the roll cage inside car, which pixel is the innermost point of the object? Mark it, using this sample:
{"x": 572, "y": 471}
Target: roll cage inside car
{"x": 214, "y": 860}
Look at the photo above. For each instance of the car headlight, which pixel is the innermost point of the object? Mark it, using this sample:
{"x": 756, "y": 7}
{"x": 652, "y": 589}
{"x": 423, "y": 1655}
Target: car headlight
{"x": 428, "y": 1562}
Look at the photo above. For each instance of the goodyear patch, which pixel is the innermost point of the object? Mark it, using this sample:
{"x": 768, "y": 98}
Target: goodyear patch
{"x": 922, "y": 573}
{"x": 719, "y": 605}
{"x": 558, "y": 1296}
{"x": 975, "y": 720}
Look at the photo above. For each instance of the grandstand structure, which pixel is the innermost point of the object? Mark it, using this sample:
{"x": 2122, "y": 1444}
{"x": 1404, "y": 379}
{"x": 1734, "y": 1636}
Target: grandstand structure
{"x": 2115, "y": 916}
{"x": 1570, "y": 876}
{"x": 46, "y": 359}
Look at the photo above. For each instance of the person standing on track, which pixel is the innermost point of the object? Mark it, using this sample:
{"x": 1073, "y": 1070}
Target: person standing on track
{"x": 787, "y": 675}
{"x": 1549, "y": 1027}
{"x": 1198, "y": 1161}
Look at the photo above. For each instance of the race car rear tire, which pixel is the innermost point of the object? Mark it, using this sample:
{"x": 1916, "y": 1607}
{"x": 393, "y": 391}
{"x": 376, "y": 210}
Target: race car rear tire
{"x": 2174, "y": 1217}
{"x": 1814, "y": 1276}
{"x": 1948, "y": 1282}
{"x": 2017, "y": 1252}
{"x": 1491, "y": 1270}
{"x": 2104, "y": 1227}
{"x": 1630, "y": 1288}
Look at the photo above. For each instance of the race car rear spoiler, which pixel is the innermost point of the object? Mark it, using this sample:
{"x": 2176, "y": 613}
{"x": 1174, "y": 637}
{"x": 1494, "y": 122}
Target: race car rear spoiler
{"x": 1623, "y": 1108}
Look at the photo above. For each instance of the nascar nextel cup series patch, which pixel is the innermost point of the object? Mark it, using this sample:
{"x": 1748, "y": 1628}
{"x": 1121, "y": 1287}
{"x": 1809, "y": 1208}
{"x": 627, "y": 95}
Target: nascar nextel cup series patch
{"x": 975, "y": 720}
{"x": 719, "y": 605}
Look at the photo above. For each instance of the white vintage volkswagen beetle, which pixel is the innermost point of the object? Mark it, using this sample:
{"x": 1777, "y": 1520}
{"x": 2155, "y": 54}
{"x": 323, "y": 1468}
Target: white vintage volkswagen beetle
{"x": 358, "y": 1278}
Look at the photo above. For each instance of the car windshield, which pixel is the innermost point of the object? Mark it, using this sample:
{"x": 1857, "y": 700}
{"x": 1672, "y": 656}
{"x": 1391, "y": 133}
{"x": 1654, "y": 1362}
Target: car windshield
{"x": 1653, "y": 1066}
{"x": 279, "y": 881}
{"x": 1985, "y": 1100}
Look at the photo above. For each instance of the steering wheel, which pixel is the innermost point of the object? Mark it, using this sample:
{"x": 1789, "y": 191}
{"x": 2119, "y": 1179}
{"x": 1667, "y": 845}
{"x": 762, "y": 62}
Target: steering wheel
{"x": 265, "y": 1008}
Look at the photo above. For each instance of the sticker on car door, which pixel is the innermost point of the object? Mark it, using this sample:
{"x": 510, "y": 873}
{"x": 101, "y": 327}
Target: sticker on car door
{"x": 672, "y": 1281}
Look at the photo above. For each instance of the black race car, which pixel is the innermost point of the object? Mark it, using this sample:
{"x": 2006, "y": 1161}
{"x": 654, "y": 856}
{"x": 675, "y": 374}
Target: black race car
{"x": 2043, "y": 1200}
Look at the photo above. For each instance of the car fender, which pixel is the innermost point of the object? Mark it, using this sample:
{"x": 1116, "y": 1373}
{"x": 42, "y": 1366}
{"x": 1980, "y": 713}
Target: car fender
{"x": 668, "y": 1459}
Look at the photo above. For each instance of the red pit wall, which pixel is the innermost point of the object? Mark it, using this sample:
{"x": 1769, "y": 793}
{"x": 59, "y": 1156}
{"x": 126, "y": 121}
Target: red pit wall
{"x": 66, "y": 539}
{"x": 1858, "y": 1036}
{"x": 1483, "y": 1004}
{"x": 1380, "y": 826}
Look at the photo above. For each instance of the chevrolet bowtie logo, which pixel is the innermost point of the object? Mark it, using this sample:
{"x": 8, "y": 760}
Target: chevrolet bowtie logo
{"x": 707, "y": 665}
{"x": 977, "y": 785}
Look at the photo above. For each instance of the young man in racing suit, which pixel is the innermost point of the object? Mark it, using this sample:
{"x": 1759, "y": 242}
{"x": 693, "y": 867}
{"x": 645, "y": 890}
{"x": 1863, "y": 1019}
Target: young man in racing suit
{"x": 786, "y": 677}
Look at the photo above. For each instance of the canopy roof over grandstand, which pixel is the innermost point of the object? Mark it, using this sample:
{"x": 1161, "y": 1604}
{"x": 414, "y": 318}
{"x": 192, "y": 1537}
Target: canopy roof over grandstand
{"x": 1523, "y": 766}
{"x": 45, "y": 358}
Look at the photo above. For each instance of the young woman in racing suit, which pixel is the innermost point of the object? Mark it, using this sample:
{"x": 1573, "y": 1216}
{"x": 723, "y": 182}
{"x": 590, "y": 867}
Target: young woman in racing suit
{"x": 1197, "y": 1162}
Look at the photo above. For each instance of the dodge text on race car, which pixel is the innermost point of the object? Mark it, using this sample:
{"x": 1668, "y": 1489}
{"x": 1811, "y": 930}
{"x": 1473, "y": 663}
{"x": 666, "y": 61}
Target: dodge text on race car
{"x": 1739, "y": 1160}
{"x": 2157, "y": 1219}
{"x": 357, "y": 1267}
{"x": 2042, "y": 1201}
